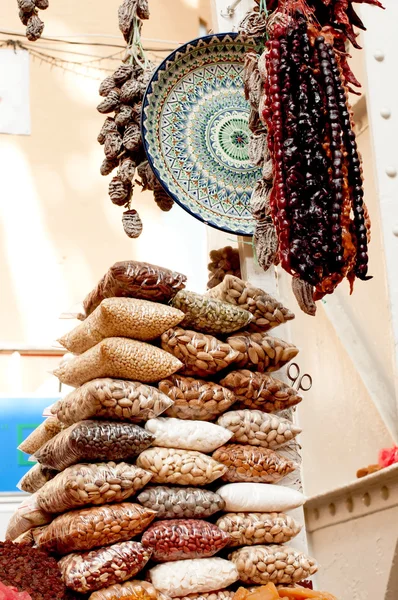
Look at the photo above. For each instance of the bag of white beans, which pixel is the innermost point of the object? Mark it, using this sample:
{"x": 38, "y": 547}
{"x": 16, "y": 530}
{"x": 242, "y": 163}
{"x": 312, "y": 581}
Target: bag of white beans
{"x": 187, "y": 435}
{"x": 259, "y": 497}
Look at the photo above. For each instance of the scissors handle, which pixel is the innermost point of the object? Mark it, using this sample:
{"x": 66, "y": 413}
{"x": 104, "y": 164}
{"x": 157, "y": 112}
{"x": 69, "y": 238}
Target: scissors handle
{"x": 293, "y": 372}
{"x": 308, "y": 379}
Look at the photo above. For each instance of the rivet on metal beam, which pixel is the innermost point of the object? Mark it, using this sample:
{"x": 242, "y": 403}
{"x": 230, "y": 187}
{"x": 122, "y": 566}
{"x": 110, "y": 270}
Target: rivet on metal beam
{"x": 379, "y": 55}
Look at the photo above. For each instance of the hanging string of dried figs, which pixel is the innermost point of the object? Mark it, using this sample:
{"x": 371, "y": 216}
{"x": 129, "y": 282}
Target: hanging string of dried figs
{"x": 29, "y": 15}
{"x": 120, "y": 135}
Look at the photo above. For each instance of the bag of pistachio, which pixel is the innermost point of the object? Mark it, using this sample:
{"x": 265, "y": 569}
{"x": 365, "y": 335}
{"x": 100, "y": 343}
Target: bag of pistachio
{"x": 258, "y": 428}
{"x": 253, "y": 463}
{"x": 210, "y": 315}
{"x": 180, "y": 502}
{"x": 261, "y": 352}
{"x": 267, "y": 311}
{"x": 248, "y": 529}
{"x": 35, "y": 478}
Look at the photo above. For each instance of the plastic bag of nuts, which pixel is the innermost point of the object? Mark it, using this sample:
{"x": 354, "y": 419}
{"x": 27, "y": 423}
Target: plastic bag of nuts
{"x": 81, "y": 485}
{"x": 39, "y": 436}
{"x": 246, "y": 529}
{"x": 187, "y": 435}
{"x": 180, "y": 539}
{"x": 118, "y": 357}
{"x": 94, "y": 570}
{"x": 251, "y": 463}
{"x": 182, "y": 467}
{"x": 112, "y": 399}
{"x": 259, "y": 497}
{"x": 131, "y": 590}
{"x": 261, "y": 391}
{"x": 196, "y": 575}
{"x": 218, "y": 595}
{"x": 93, "y": 440}
{"x": 184, "y": 502}
{"x": 196, "y": 399}
{"x": 261, "y": 352}
{"x": 132, "y": 279}
{"x": 27, "y": 516}
{"x": 201, "y": 354}
{"x": 276, "y": 564}
{"x": 35, "y": 478}
{"x": 210, "y": 315}
{"x": 267, "y": 311}
{"x": 258, "y": 428}
{"x": 124, "y": 317}
{"x": 89, "y": 528}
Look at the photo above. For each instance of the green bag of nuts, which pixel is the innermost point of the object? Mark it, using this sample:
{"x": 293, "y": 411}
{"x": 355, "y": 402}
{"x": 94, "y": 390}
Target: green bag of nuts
{"x": 35, "y": 478}
{"x": 85, "y": 484}
{"x": 252, "y": 463}
{"x": 282, "y": 564}
{"x": 112, "y": 399}
{"x": 261, "y": 352}
{"x": 267, "y": 312}
{"x": 89, "y": 528}
{"x": 210, "y": 315}
{"x": 122, "y": 317}
{"x": 118, "y": 357}
{"x": 93, "y": 440}
{"x": 203, "y": 355}
{"x": 182, "y": 467}
{"x": 195, "y": 398}
{"x": 181, "y": 502}
{"x": 247, "y": 529}
{"x": 258, "y": 428}
{"x": 42, "y": 434}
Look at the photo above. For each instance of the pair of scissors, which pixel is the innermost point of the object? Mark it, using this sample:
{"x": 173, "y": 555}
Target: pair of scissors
{"x": 303, "y": 382}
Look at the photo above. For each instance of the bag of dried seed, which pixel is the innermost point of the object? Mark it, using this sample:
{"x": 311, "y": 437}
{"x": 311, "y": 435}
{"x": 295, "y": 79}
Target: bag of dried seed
{"x": 42, "y": 434}
{"x": 247, "y": 529}
{"x": 182, "y": 467}
{"x": 252, "y": 463}
{"x": 191, "y": 576}
{"x": 261, "y": 391}
{"x": 132, "y": 279}
{"x": 257, "y": 428}
{"x": 187, "y": 435}
{"x": 35, "y": 478}
{"x": 217, "y": 595}
{"x": 202, "y": 355}
{"x": 196, "y": 399}
{"x": 210, "y": 315}
{"x": 131, "y": 590}
{"x": 267, "y": 312}
{"x": 118, "y": 357}
{"x": 181, "y": 502}
{"x": 112, "y": 399}
{"x": 85, "y": 484}
{"x": 93, "y": 527}
{"x": 180, "y": 539}
{"x": 122, "y": 317}
{"x": 94, "y": 570}
{"x": 27, "y": 516}
{"x": 93, "y": 441}
{"x": 261, "y": 352}
{"x": 259, "y": 497}
{"x": 283, "y": 564}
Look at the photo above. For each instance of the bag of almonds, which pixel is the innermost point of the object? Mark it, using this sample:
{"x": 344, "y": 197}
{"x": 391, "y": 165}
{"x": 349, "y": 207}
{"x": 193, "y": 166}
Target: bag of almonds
{"x": 182, "y": 467}
{"x": 27, "y": 516}
{"x": 112, "y": 399}
{"x": 261, "y": 352}
{"x": 259, "y": 497}
{"x": 247, "y": 529}
{"x": 93, "y": 441}
{"x": 131, "y": 590}
{"x": 252, "y": 463}
{"x": 122, "y": 317}
{"x": 267, "y": 312}
{"x": 282, "y": 564}
{"x": 210, "y": 315}
{"x": 181, "y": 502}
{"x": 202, "y": 355}
{"x": 42, "y": 434}
{"x": 187, "y": 435}
{"x": 196, "y": 399}
{"x": 94, "y": 570}
{"x": 35, "y": 478}
{"x": 118, "y": 357}
{"x": 132, "y": 279}
{"x": 180, "y": 539}
{"x": 258, "y": 428}
{"x": 85, "y": 484}
{"x": 261, "y": 391}
{"x": 93, "y": 527}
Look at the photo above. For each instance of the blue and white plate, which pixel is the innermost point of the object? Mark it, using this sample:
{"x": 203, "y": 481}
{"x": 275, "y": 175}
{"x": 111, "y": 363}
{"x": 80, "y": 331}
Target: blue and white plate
{"x": 196, "y": 133}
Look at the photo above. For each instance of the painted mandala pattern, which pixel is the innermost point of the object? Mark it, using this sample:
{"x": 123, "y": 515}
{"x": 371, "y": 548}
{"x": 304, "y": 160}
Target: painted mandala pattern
{"x": 196, "y": 134}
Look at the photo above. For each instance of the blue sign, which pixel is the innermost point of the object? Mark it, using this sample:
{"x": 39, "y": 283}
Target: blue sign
{"x": 18, "y": 418}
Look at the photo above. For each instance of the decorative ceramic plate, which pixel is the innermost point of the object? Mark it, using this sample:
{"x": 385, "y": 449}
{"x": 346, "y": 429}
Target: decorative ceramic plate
{"x": 196, "y": 133}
